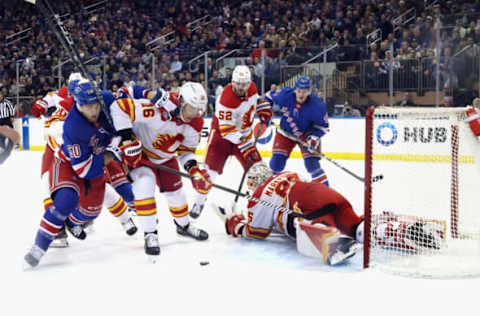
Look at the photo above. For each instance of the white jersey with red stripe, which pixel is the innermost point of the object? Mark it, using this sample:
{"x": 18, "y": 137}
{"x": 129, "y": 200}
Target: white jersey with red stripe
{"x": 162, "y": 135}
{"x": 263, "y": 219}
{"x": 234, "y": 115}
{"x": 53, "y": 126}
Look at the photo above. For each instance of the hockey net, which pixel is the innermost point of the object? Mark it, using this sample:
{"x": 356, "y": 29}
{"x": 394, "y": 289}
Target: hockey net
{"x": 422, "y": 218}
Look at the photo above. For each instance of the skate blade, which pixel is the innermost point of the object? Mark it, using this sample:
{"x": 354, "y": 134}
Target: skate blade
{"x": 59, "y": 244}
{"x": 27, "y": 266}
{"x": 152, "y": 259}
{"x": 341, "y": 257}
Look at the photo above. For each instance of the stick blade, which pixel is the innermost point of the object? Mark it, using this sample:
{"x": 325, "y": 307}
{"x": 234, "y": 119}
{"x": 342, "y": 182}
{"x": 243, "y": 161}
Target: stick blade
{"x": 31, "y": 1}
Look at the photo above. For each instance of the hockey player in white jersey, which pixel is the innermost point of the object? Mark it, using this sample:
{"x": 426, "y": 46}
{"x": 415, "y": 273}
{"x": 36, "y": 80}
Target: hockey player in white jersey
{"x": 231, "y": 130}
{"x": 165, "y": 133}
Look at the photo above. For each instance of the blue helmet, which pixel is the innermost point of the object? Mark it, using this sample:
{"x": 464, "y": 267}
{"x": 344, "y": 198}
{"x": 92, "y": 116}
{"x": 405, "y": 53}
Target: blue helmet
{"x": 73, "y": 80}
{"x": 304, "y": 83}
{"x": 84, "y": 93}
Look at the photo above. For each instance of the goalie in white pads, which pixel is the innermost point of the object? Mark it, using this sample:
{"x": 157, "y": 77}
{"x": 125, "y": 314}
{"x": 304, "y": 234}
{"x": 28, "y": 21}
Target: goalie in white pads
{"x": 165, "y": 133}
{"x": 334, "y": 236}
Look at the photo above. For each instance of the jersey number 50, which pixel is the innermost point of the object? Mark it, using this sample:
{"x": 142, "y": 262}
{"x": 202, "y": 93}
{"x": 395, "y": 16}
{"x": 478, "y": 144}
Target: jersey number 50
{"x": 74, "y": 151}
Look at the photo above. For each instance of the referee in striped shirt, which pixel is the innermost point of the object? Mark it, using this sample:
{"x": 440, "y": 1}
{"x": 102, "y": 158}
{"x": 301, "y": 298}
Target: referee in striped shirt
{"x": 8, "y": 136}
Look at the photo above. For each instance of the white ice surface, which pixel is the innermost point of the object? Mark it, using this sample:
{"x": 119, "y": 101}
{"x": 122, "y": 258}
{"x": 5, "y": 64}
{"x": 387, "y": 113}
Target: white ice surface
{"x": 108, "y": 274}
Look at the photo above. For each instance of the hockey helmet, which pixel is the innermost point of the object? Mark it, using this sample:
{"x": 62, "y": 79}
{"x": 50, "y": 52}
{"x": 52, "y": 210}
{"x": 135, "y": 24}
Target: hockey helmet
{"x": 194, "y": 94}
{"x": 257, "y": 175}
{"x": 303, "y": 83}
{"x": 84, "y": 93}
{"x": 241, "y": 74}
{"x": 73, "y": 80}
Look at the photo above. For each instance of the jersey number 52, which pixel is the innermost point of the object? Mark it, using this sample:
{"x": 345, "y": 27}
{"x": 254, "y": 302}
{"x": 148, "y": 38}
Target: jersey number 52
{"x": 225, "y": 115}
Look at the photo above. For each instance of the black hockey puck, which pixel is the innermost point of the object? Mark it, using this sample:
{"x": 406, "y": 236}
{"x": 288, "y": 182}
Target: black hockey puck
{"x": 204, "y": 263}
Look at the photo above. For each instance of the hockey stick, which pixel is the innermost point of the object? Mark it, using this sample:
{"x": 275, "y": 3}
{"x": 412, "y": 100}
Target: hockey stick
{"x": 64, "y": 37}
{"x": 247, "y": 167}
{"x": 301, "y": 142}
{"x": 313, "y": 215}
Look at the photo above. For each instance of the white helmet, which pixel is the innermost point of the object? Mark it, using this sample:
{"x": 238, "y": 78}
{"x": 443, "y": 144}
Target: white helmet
{"x": 241, "y": 74}
{"x": 257, "y": 175}
{"x": 194, "y": 94}
{"x": 75, "y": 76}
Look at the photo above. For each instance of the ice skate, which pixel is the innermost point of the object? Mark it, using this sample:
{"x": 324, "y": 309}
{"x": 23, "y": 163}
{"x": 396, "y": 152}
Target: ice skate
{"x": 424, "y": 235}
{"x": 77, "y": 231}
{"x": 152, "y": 246}
{"x": 129, "y": 227}
{"x": 60, "y": 241}
{"x": 88, "y": 227}
{"x": 196, "y": 210}
{"x": 342, "y": 249}
{"x": 191, "y": 231}
{"x": 32, "y": 258}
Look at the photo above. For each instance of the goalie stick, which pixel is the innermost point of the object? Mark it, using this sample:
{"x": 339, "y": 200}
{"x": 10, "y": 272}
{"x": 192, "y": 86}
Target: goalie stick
{"x": 64, "y": 37}
{"x": 303, "y": 143}
{"x": 313, "y": 215}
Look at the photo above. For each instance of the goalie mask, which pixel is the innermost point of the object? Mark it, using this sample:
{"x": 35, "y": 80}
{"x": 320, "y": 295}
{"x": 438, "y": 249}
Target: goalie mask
{"x": 193, "y": 101}
{"x": 257, "y": 175}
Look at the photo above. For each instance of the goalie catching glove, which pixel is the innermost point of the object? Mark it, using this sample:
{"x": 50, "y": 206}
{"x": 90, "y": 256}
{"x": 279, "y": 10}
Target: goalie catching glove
{"x": 201, "y": 181}
{"x": 131, "y": 152}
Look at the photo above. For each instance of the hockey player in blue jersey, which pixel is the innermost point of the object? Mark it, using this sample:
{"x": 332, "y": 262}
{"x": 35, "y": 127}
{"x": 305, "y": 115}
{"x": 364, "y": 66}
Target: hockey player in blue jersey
{"x": 77, "y": 177}
{"x": 305, "y": 116}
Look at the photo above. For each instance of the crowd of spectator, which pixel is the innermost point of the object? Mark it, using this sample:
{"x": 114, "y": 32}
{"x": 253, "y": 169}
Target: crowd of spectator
{"x": 117, "y": 33}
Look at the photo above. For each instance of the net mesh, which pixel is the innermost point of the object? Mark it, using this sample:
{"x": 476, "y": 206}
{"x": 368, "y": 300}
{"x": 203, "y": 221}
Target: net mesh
{"x": 424, "y": 215}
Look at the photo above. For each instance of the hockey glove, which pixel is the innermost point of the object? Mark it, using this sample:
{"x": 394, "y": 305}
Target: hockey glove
{"x": 313, "y": 143}
{"x": 235, "y": 224}
{"x": 249, "y": 153}
{"x": 160, "y": 98}
{"x": 39, "y": 108}
{"x": 201, "y": 181}
{"x": 114, "y": 149}
{"x": 131, "y": 152}
{"x": 264, "y": 112}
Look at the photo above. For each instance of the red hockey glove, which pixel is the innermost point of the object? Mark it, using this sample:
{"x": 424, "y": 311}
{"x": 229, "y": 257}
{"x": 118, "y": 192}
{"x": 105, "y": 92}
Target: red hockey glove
{"x": 234, "y": 224}
{"x": 249, "y": 153}
{"x": 39, "y": 108}
{"x": 201, "y": 181}
{"x": 131, "y": 152}
{"x": 264, "y": 111}
{"x": 313, "y": 143}
{"x": 473, "y": 121}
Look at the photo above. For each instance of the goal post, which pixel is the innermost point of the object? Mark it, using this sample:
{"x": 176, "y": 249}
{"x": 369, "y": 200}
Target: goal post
{"x": 423, "y": 218}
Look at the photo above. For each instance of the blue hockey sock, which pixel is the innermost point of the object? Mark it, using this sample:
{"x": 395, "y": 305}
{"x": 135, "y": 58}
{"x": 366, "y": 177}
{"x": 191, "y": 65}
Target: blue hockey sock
{"x": 52, "y": 221}
{"x": 125, "y": 191}
{"x": 277, "y": 163}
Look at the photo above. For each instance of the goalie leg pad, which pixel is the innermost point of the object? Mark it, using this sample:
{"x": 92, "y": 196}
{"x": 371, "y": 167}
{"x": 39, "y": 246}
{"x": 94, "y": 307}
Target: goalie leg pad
{"x": 325, "y": 242}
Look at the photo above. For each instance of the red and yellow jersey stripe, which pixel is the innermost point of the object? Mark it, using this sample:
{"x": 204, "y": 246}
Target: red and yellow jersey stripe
{"x": 227, "y": 129}
{"x": 257, "y": 233}
{"x": 127, "y": 106}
